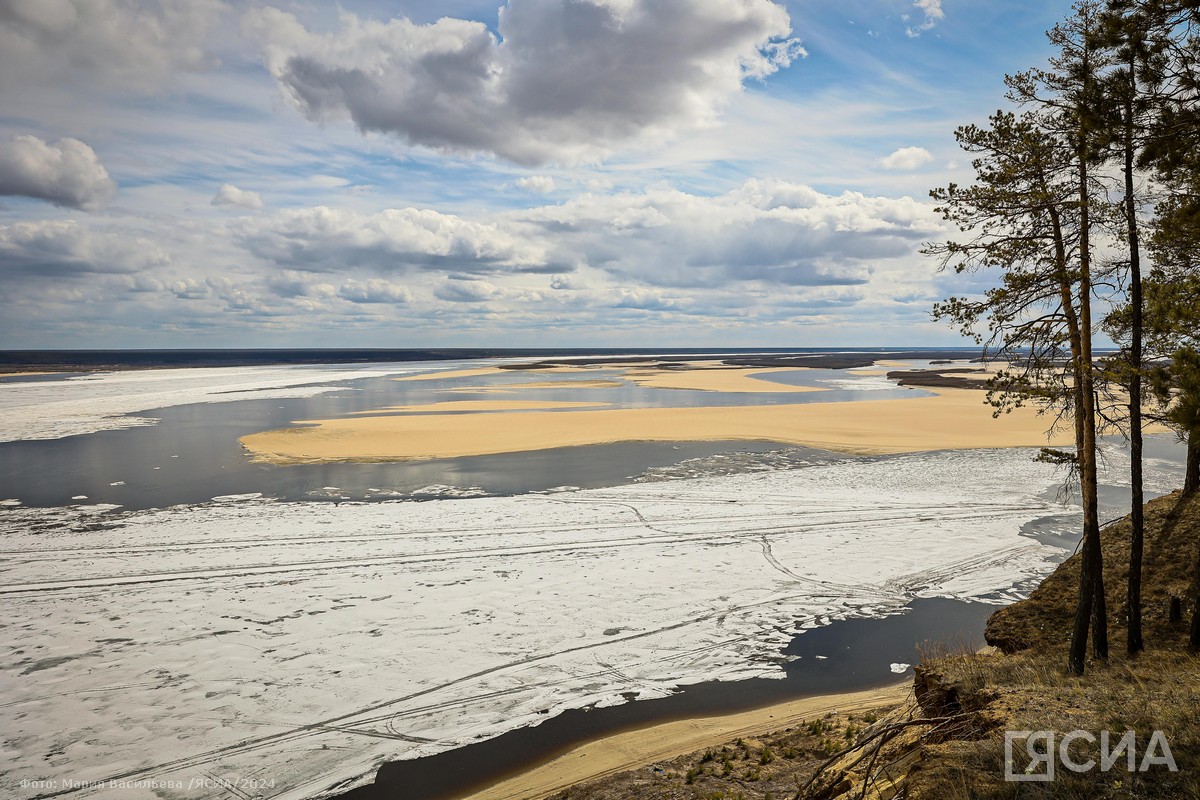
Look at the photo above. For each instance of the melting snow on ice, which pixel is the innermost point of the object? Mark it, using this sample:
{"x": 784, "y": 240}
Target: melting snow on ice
{"x": 251, "y": 638}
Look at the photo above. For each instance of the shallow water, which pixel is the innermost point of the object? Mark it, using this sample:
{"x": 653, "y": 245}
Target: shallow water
{"x": 192, "y": 454}
{"x": 845, "y": 656}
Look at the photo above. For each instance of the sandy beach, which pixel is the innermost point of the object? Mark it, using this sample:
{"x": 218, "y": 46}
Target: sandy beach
{"x": 643, "y": 746}
{"x": 952, "y": 419}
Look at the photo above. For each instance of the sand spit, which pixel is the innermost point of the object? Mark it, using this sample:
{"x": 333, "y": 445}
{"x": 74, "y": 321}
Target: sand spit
{"x": 715, "y": 379}
{"x": 643, "y": 746}
{"x": 953, "y": 419}
{"x": 703, "y": 376}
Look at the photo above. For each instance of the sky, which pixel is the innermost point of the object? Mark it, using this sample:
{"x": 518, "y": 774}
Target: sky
{"x": 542, "y": 173}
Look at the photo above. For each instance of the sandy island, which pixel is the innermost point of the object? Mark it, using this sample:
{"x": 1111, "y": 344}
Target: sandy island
{"x": 952, "y": 419}
{"x": 695, "y": 376}
{"x": 643, "y": 746}
{"x": 715, "y": 379}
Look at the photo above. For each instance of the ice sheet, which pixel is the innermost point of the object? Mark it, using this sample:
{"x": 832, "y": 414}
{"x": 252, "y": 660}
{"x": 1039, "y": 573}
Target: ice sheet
{"x": 100, "y": 401}
{"x": 306, "y": 643}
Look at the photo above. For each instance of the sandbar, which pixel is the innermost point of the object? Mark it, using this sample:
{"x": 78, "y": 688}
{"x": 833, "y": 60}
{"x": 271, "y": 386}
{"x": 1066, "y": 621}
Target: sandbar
{"x": 644, "y": 746}
{"x": 700, "y": 376}
{"x": 716, "y": 379}
{"x": 481, "y": 406}
{"x": 950, "y": 419}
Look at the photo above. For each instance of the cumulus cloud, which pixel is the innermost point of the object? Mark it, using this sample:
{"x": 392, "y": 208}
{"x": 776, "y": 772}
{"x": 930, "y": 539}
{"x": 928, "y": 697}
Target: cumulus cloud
{"x": 66, "y": 173}
{"x": 327, "y": 239}
{"x": 566, "y": 80}
{"x": 772, "y": 232}
{"x": 906, "y": 159}
{"x": 127, "y": 43}
{"x": 64, "y": 248}
{"x": 765, "y": 232}
{"x": 538, "y": 184}
{"x": 931, "y": 11}
{"x": 230, "y": 195}
{"x": 374, "y": 290}
{"x": 467, "y": 291}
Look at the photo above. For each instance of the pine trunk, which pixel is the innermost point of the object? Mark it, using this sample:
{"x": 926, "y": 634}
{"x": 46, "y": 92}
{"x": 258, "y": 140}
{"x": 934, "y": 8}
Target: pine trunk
{"x": 1191, "y": 476}
{"x": 1133, "y": 640}
{"x": 1091, "y": 588}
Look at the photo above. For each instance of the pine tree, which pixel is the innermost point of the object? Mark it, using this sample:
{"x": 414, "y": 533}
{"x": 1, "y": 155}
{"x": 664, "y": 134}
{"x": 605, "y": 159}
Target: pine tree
{"x": 1031, "y": 214}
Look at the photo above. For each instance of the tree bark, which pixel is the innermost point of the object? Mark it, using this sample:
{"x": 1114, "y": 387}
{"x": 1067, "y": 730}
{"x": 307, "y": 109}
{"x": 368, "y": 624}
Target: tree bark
{"x": 1191, "y": 477}
{"x": 1093, "y": 572}
{"x": 1134, "y": 643}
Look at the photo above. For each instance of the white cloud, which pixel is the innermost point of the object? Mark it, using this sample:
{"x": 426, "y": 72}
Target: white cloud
{"x": 66, "y": 173}
{"x": 374, "y": 290}
{"x": 566, "y": 81}
{"x": 767, "y": 253}
{"x": 230, "y": 195}
{"x": 906, "y": 159}
{"x": 932, "y": 13}
{"x": 327, "y": 239}
{"x": 538, "y": 184}
{"x": 771, "y": 232}
{"x": 467, "y": 291}
{"x": 127, "y": 43}
{"x": 328, "y": 181}
{"x": 63, "y": 248}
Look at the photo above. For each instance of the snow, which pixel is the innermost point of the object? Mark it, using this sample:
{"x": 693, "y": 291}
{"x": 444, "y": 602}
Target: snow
{"x": 101, "y": 401}
{"x": 248, "y": 639}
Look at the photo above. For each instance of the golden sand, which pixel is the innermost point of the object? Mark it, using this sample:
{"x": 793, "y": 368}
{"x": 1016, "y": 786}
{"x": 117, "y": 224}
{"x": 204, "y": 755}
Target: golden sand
{"x": 952, "y": 419}
{"x": 715, "y": 379}
{"x": 461, "y": 406}
{"x": 637, "y": 748}
{"x": 23, "y": 374}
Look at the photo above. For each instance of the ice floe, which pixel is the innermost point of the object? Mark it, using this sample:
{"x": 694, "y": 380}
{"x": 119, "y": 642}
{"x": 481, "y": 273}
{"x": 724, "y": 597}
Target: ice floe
{"x": 103, "y": 401}
{"x": 248, "y": 638}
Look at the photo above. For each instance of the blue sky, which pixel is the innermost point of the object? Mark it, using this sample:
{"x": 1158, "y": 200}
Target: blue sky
{"x": 203, "y": 173}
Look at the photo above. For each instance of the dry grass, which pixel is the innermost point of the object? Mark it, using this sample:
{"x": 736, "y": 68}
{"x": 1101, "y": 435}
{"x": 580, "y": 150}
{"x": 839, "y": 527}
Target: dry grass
{"x": 771, "y": 767}
{"x": 1030, "y": 689}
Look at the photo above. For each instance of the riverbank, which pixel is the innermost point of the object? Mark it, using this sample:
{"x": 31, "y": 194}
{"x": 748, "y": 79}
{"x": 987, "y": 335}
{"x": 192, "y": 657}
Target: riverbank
{"x": 950, "y": 741}
{"x": 660, "y": 743}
